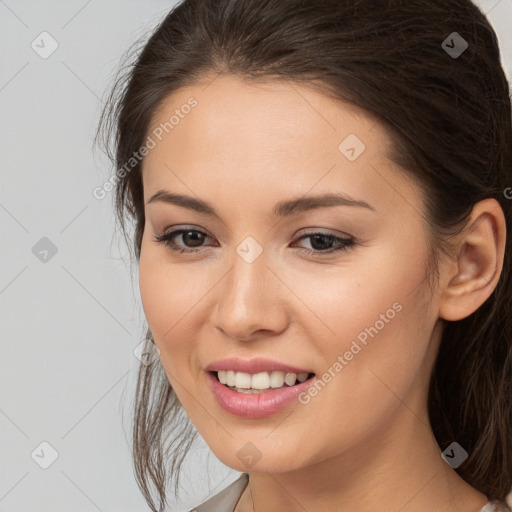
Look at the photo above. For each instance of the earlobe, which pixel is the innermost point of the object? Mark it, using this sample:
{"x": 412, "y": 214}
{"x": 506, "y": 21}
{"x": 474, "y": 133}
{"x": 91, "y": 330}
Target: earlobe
{"x": 474, "y": 274}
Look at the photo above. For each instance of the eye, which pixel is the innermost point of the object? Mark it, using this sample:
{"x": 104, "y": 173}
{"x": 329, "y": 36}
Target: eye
{"x": 322, "y": 243}
{"x": 192, "y": 236}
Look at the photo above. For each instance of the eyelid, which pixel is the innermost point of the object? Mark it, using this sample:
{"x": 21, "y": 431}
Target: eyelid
{"x": 323, "y": 231}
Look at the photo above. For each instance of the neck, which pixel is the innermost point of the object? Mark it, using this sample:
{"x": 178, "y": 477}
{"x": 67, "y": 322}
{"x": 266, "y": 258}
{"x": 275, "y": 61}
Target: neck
{"x": 400, "y": 468}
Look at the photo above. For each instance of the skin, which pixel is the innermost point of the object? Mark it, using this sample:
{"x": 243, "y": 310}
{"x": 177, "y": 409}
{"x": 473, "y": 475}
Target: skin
{"x": 364, "y": 443}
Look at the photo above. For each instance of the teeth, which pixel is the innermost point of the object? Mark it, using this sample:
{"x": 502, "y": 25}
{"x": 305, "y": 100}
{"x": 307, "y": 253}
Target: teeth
{"x": 290, "y": 378}
{"x": 242, "y": 380}
{"x": 276, "y": 379}
{"x": 302, "y": 377}
{"x": 263, "y": 380}
{"x": 230, "y": 378}
{"x": 259, "y": 381}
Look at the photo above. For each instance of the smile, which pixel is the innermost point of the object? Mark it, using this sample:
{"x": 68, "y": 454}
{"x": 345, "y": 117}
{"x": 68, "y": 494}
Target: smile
{"x": 250, "y": 402}
{"x": 246, "y": 383}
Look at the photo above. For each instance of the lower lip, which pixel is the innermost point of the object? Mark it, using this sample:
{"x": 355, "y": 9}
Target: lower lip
{"x": 255, "y": 405}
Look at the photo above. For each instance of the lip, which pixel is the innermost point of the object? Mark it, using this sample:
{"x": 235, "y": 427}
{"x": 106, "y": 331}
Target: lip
{"x": 255, "y": 405}
{"x": 255, "y": 365}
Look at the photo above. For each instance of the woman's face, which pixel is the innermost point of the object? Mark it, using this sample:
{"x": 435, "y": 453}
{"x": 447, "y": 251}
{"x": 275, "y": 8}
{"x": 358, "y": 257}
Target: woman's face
{"x": 360, "y": 318}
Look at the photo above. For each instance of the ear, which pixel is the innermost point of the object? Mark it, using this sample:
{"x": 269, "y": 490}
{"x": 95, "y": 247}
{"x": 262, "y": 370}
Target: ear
{"x": 473, "y": 273}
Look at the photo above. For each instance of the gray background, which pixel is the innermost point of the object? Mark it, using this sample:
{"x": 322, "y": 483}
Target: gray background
{"x": 70, "y": 321}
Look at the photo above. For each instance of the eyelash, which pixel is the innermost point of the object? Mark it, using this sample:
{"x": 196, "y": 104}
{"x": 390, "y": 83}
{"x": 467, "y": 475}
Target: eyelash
{"x": 345, "y": 244}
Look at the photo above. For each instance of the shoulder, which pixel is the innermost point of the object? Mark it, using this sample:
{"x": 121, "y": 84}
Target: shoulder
{"x": 225, "y": 500}
{"x": 497, "y": 505}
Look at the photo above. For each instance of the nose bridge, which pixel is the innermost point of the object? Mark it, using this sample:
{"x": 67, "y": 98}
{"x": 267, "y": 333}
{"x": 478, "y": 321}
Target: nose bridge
{"x": 249, "y": 298}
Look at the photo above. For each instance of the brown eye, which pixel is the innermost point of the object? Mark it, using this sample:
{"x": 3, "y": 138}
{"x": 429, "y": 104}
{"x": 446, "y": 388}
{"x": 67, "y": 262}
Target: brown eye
{"x": 192, "y": 240}
{"x": 322, "y": 243}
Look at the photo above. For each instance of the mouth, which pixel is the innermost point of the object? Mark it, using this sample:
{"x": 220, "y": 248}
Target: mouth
{"x": 258, "y": 383}
{"x": 257, "y": 395}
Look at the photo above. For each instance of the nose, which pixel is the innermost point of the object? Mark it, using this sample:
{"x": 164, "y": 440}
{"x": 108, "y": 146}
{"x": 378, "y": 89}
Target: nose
{"x": 252, "y": 302}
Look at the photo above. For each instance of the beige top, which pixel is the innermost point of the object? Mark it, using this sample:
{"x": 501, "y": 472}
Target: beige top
{"x": 226, "y": 500}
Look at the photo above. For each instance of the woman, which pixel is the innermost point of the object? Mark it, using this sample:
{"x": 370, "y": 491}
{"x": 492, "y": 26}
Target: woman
{"x": 371, "y": 371}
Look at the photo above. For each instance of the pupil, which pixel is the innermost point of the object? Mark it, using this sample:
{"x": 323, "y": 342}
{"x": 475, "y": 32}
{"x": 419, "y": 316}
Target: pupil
{"x": 326, "y": 245}
{"x": 196, "y": 238}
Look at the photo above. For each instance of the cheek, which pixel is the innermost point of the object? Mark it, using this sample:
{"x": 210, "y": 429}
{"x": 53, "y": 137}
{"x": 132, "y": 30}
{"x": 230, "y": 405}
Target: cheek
{"x": 375, "y": 316}
{"x": 167, "y": 296}
{"x": 367, "y": 289}
{"x": 157, "y": 300}
{"x": 168, "y": 291}
{"x": 174, "y": 297}
{"x": 164, "y": 310}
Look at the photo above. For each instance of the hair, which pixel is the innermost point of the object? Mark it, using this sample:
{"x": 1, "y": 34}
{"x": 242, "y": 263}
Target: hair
{"x": 449, "y": 120}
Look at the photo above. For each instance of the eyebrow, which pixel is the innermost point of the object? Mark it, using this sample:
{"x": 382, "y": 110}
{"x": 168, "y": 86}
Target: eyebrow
{"x": 281, "y": 209}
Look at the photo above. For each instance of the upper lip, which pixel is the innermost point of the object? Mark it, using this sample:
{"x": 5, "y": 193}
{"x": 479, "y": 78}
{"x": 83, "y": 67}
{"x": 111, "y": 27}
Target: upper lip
{"x": 255, "y": 365}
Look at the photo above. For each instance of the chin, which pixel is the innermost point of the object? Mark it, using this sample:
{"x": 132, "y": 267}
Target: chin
{"x": 258, "y": 457}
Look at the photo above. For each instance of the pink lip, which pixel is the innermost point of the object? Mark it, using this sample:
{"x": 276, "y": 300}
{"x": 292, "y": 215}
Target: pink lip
{"x": 256, "y": 405}
{"x": 256, "y": 365}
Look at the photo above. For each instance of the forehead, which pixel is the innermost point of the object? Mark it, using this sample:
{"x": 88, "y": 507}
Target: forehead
{"x": 278, "y": 138}
{"x": 272, "y": 115}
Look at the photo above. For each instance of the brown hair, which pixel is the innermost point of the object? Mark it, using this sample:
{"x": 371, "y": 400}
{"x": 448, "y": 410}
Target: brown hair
{"x": 449, "y": 118}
